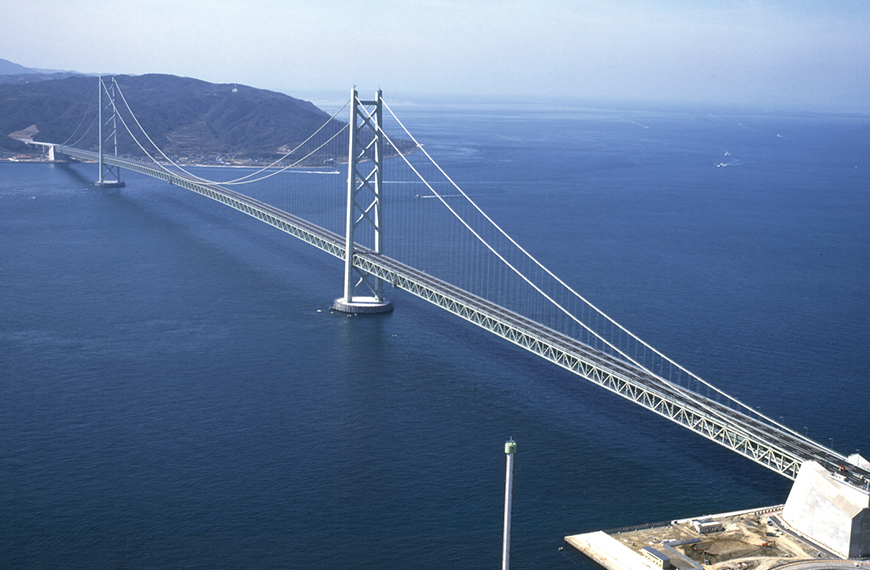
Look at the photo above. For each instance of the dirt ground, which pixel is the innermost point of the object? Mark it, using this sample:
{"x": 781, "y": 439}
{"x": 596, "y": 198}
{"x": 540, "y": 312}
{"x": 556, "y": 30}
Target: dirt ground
{"x": 748, "y": 541}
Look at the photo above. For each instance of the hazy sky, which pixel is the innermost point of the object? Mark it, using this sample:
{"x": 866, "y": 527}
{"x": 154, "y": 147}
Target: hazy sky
{"x": 791, "y": 51}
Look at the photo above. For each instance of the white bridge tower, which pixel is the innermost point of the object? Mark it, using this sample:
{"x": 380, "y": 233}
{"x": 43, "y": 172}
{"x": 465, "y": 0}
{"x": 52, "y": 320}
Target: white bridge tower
{"x": 110, "y": 175}
{"x": 365, "y": 218}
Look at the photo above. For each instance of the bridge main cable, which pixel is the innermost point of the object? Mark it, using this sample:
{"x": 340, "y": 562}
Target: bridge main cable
{"x": 771, "y": 447}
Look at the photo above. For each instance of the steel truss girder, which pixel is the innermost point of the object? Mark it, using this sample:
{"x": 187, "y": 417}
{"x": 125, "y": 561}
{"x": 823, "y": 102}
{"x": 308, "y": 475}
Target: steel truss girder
{"x": 566, "y": 355}
{"x": 559, "y": 349}
{"x": 310, "y": 233}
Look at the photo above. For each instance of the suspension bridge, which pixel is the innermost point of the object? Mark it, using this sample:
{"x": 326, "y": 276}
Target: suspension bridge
{"x": 477, "y": 272}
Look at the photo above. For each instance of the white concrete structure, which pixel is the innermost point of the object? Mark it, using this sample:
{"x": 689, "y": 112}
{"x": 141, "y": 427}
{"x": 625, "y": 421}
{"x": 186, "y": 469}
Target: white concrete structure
{"x": 608, "y": 552}
{"x": 707, "y": 525}
{"x": 858, "y": 461}
{"x": 829, "y": 511}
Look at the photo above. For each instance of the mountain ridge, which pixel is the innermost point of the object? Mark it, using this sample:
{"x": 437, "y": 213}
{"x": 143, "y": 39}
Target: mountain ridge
{"x": 186, "y": 117}
{"x": 11, "y": 68}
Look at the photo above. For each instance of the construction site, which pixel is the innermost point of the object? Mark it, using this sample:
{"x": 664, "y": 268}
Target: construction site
{"x": 755, "y": 540}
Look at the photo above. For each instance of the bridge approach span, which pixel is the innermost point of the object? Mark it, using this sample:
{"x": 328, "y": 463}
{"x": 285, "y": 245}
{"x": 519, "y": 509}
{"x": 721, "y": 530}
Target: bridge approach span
{"x": 777, "y": 449}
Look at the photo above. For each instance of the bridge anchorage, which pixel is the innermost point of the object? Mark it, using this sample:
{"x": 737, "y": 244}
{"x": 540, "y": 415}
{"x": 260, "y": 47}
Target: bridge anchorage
{"x": 110, "y": 174}
{"x": 365, "y": 185}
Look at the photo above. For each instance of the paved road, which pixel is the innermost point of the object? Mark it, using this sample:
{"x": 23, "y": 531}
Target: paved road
{"x": 824, "y": 565}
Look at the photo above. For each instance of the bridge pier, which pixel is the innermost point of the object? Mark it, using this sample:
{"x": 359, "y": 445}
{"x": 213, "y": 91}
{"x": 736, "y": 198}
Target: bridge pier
{"x": 363, "y": 306}
{"x": 50, "y": 150}
{"x": 364, "y": 187}
{"x": 56, "y": 156}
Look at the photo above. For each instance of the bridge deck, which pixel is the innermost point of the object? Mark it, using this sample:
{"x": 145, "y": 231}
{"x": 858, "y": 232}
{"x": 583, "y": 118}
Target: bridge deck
{"x": 777, "y": 449}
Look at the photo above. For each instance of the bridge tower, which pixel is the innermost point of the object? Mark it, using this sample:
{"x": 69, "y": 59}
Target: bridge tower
{"x": 364, "y": 205}
{"x": 110, "y": 175}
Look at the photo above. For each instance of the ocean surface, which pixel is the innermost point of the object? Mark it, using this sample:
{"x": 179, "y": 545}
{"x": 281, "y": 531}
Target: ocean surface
{"x": 176, "y": 393}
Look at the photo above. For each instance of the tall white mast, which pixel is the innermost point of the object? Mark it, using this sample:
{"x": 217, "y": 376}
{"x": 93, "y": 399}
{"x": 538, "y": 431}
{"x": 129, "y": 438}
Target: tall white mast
{"x": 510, "y": 448}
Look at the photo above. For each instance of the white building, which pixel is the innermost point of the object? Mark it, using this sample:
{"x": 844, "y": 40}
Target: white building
{"x": 706, "y": 526}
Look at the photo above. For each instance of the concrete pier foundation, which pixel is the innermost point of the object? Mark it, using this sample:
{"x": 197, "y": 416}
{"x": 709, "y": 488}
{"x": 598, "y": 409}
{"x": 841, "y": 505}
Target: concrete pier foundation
{"x": 830, "y": 511}
{"x": 363, "y": 306}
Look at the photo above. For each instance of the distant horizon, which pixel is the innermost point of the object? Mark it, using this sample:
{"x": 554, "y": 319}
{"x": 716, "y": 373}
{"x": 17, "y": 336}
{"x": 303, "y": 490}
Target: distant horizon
{"x": 323, "y": 97}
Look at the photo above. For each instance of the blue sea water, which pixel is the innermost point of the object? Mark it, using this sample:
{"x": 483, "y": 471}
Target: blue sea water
{"x": 176, "y": 394}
